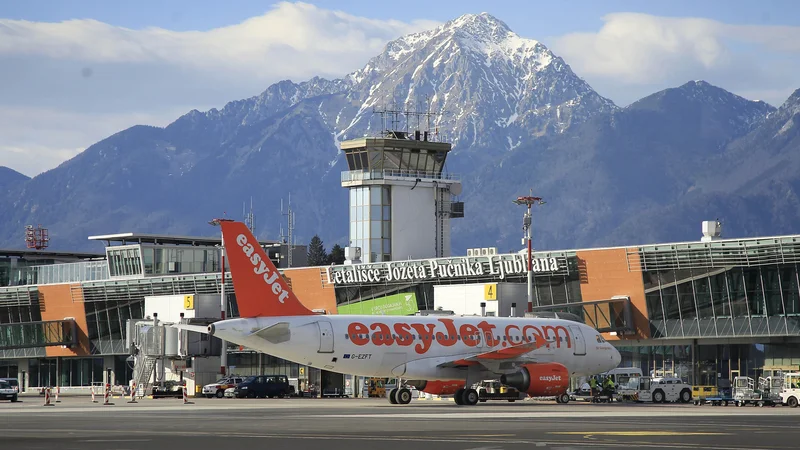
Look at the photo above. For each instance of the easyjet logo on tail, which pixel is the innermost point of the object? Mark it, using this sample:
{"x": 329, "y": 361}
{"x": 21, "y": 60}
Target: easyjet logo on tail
{"x": 260, "y": 267}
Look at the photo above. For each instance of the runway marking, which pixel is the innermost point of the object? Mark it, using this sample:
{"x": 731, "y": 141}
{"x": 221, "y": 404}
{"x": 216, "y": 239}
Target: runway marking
{"x": 642, "y": 433}
{"x": 115, "y": 440}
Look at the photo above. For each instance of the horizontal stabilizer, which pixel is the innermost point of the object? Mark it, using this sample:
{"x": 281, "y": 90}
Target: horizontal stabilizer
{"x": 196, "y": 328}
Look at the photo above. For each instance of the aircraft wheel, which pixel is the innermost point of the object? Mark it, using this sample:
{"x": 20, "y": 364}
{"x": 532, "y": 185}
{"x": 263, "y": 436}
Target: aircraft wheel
{"x": 563, "y": 398}
{"x": 392, "y": 398}
{"x": 470, "y": 397}
{"x": 403, "y": 396}
{"x": 458, "y": 396}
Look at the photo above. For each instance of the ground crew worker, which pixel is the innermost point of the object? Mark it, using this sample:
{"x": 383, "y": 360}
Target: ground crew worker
{"x": 609, "y": 385}
{"x": 593, "y": 386}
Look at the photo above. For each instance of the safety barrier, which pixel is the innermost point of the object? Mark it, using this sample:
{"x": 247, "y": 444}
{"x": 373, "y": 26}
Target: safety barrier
{"x": 47, "y": 397}
{"x": 107, "y": 395}
{"x": 186, "y": 397}
{"x": 58, "y": 391}
{"x": 133, "y": 394}
{"x": 93, "y": 399}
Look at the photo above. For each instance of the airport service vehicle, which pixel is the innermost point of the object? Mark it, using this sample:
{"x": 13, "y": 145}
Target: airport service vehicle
{"x": 663, "y": 390}
{"x": 7, "y": 392}
{"x": 264, "y": 386}
{"x": 790, "y": 394}
{"x": 746, "y": 393}
{"x": 624, "y": 381}
{"x": 494, "y": 390}
{"x": 217, "y": 388}
{"x": 435, "y": 354}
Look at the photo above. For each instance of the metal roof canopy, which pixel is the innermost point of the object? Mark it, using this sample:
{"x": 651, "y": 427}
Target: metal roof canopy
{"x": 163, "y": 239}
{"x": 48, "y": 254}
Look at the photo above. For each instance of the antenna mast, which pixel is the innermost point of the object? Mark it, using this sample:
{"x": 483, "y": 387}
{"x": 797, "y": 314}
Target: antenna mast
{"x": 249, "y": 217}
{"x": 288, "y": 239}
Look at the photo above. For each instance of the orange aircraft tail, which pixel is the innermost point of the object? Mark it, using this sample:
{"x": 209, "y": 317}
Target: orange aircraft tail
{"x": 260, "y": 289}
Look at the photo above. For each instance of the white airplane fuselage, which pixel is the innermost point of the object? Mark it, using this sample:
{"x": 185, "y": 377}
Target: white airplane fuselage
{"x": 417, "y": 347}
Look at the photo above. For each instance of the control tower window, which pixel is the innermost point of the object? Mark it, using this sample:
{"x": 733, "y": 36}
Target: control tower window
{"x": 370, "y": 221}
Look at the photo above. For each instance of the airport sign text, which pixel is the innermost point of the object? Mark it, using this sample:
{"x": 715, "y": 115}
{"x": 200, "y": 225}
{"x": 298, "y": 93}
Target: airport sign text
{"x": 401, "y": 271}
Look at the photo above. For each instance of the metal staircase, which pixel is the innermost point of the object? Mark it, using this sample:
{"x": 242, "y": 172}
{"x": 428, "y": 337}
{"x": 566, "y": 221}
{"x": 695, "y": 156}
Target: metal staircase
{"x": 144, "y": 367}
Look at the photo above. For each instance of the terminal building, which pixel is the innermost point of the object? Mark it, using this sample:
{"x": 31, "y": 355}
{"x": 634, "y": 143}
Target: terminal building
{"x": 705, "y": 311}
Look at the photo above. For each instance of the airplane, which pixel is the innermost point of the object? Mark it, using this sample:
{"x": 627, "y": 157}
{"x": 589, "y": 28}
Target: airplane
{"x": 442, "y": 355}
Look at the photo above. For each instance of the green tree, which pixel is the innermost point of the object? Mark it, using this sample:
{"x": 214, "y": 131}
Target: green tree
{"x": 316, "y": 252}
{"x": 336, "y": 256}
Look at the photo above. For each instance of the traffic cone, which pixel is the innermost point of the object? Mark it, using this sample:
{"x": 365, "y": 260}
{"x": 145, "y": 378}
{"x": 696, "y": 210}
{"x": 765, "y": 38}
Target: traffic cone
{"x": 92, "y": 389}
{"x": 58, "y": 391}
{"x": 47, "y": 397}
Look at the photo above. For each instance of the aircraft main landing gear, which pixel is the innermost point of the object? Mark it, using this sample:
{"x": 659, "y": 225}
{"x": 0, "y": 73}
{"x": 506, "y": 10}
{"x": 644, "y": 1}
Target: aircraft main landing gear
{"x": 466, "y": 397}
{"x": 400, "y": 396}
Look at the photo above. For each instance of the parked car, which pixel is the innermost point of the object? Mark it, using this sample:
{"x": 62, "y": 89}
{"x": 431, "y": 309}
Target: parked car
{"x": 171, "y": 389}
{"x": 217, "y": 388}
{"x": 13, "y": 382}
{"x": 7, "y": 392}
{"x": 263, "y": 386}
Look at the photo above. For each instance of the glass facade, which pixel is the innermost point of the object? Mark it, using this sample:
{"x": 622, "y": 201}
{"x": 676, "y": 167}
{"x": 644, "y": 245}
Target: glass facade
{"x": 724, "y": 302}
{"x": 370, "y": 222}
{"x": 124, "y": 261}
{"x": 164, "y": 260}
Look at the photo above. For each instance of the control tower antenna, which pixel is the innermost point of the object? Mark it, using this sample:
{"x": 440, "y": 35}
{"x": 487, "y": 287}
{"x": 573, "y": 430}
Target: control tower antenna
{"x": 391, "y": 118}
{"x": 526, "y": 227}
{"x": 288, "y": 239}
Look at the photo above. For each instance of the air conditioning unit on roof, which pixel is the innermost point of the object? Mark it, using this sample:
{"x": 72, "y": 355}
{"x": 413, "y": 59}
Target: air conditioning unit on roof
{"x": 470, "y": 252}
{"x": 484, "y": 251}
{"x": 492, "y": 251}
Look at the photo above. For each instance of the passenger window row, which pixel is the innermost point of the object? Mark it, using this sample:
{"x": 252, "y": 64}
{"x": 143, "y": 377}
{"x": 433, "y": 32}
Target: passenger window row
{"x": 433, "y": 337}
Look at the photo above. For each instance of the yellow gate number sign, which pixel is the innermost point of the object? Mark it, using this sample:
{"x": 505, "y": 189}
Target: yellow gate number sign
{"x": 490, "y": 291}
{"x": 188, "y": 302}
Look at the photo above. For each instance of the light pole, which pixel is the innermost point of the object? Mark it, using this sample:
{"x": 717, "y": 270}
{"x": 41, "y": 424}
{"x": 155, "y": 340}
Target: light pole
{"x": 526, "y": 228}
{"x": 223, "y": 355}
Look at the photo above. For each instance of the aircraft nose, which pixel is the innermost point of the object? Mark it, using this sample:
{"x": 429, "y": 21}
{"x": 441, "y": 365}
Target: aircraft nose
{"x": 616, "y": 358}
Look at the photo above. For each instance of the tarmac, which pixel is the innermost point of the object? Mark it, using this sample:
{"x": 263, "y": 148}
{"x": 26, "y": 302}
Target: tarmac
{"x": 339, "y": 424}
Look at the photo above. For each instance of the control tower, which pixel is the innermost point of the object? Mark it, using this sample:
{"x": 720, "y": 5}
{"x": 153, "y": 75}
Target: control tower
{"x": 400, "y": 201}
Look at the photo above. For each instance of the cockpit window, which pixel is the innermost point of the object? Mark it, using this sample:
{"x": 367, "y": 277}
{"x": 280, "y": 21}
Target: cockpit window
{"x": 600, "y": 339}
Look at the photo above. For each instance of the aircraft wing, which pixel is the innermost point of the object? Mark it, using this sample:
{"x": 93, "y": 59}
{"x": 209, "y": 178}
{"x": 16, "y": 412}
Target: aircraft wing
{"x": 505, "y": 357}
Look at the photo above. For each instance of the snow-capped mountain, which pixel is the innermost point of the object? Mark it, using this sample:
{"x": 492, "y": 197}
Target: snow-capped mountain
{"x": 516, "y": 113}
{"x": 495, "y": 89}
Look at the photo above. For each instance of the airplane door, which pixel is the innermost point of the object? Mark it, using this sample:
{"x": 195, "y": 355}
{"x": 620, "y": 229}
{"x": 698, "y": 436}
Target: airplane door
{"x": 580, "y": 343}
{"x": 325, "y": 336}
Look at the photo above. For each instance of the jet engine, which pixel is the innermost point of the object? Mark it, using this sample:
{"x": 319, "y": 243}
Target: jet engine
{"x": 539, "y": 380}
{"x": 437, "y": 387}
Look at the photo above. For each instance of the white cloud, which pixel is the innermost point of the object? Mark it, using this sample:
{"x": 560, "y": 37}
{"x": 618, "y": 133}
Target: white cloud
{"x": 36, "y": 139}
{"x": 634, "y": 54}
{"x": 66, "y": 85}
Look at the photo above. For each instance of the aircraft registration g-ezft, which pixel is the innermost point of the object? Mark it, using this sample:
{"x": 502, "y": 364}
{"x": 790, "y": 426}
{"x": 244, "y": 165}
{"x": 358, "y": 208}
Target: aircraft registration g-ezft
{"x": 442, "y": 355}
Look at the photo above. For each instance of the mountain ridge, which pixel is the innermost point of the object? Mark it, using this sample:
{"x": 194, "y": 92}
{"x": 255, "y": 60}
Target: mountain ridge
{"x": 517, "y": 125}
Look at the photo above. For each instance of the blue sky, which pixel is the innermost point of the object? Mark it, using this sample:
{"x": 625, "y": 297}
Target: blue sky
{"x": 533, "y": 18}
{"x": 77, "y": 72}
